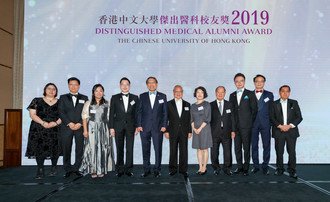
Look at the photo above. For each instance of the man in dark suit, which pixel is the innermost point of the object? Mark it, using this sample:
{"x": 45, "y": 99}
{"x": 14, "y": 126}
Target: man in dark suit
{"x": 261, "y": 124}
{"x": 70, "y": 108}
{"x": 245, "y": 110}
{"x": 123, "y": 125}
{"x": 285, "y": 117}
{"x": 152, "y": 122}
{"x": 178, "y": 131}
{"x": 223, "y": 130}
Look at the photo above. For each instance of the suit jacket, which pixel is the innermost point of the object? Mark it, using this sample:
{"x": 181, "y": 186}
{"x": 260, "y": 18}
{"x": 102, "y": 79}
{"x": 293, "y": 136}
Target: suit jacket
{"x": 246, "y": 112}
{"x": 68, "y": 112}
{"x": 175, "y": 122}
{"x": 264, "y": 106}
{"x": 293, "y": 116}
{"x": 152, "y": 119}
{"x": 227, "y": 118}
{"x": 118, "y": 117}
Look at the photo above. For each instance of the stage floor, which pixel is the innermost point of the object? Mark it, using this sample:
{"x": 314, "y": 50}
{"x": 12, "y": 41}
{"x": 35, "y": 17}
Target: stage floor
{"x": 313, "y": 184}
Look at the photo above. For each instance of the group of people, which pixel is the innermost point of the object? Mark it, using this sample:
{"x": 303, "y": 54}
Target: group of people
{"x": 245, "y": 117}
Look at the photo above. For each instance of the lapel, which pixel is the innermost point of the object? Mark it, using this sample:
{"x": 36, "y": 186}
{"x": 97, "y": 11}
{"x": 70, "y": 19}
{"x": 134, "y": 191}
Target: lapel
{"x": 71, "y": 101}
{"x": 235, "y": 97}
{"x": 288, "y": 109}
{"x": 156, "y": 103}
{"x": 279, "y": 108}
{"x": 130, "y": 98}
{"x": 148, "y": 100}
{"x": 121, "y": 103}
{"x": 243, "y": 95}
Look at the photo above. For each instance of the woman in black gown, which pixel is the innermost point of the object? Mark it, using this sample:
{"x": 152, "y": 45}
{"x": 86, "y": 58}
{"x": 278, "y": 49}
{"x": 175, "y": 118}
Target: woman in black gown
{"x": 43, "y": 140}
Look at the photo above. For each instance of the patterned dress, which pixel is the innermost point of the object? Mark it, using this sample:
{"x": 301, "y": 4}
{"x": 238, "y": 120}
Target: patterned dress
{"x": 98, "y": 155}
{"x": 43, "y": 142}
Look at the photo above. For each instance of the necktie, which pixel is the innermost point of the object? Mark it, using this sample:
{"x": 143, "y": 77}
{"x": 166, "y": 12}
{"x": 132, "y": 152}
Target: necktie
{"x": 258, "y": 91}
{"x": 239, "y": 91}
{"x": 220, "y": 108}
{"x": 124, "y": 94}
{"x": 152, "y": 93}
{"x": 73, "y": 95}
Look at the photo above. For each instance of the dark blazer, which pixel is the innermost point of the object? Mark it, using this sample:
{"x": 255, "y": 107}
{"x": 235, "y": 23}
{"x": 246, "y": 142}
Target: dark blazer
{"x": 175, "y": 122}
{"x": 246, "y": 112}
{"x": 68, "y": 112}
{"x": 152, "y": 119}
{"x": 293, "y": 116}
{"x": 264, "y": 106}
{"x": 227, "y": 118}
{"x": 118, "y": 117}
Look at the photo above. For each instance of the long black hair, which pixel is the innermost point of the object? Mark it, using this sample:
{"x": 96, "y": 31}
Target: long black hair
{"x": 102, "y": 101}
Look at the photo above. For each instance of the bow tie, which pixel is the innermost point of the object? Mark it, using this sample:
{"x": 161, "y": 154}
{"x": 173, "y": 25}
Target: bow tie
{"x": 239, "y": 90}
{"x": 152, "y": 93}
{"x": 73, "y": 95}
{"x": 259, "y": 91}
{"x": 124, "y": 94}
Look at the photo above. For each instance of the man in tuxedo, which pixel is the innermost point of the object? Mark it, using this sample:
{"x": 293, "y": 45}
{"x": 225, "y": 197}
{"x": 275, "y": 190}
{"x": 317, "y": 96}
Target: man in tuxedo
{"x": 178, "y": 131}
{"x": 123, "y": 125}
{"x": 285, "y": 117}
{"x": 223, "y": 130}
{"x": 245, "y": 110}
{"x": 152, "y": 122}
{"x": 261, "y": 124}
{"x": 70, "y": 108}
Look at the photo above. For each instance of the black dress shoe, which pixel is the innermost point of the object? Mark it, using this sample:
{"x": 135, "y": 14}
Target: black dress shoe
{"x": 238, "y": 171}
{"x": 278, "y": 172}
{"x": 79, "y": 174}
{"x": 215, "y": 172}
{"x": 67, "y": 174}
{"x": 293, "y": 175}
{"x": 129, "y": 174}
{"x": 265, "y": 171}
{"x": 157, "y": 174}
{"x": 172, "y": 173}
{"x": 53, "y": 171}
{"x": 245, "y": 172}
{"x": 145, "y": 174}
{"x": 40, "y": 174}
{"x": 120, "y": 174}
{"x": 185, "y": 174}
{"x": 228, "y": 172}
{"x": 255, "y": 170}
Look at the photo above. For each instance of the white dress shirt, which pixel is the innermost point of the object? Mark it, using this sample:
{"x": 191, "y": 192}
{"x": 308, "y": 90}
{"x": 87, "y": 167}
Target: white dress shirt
{"x": 239, "y": 94}
{"x": 221, "y": 110}
{"x": 258, "y": 94}
{"x": 74, "y": 98}
{"x": 125, "y": 100}
{"x": 178, "y": 103}
{"x": 152, "y": 98}
{"x": 284, "y": 104}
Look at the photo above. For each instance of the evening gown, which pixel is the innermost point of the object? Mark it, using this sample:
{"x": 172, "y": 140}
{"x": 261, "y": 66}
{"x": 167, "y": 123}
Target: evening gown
{"x": 98, "y": 155}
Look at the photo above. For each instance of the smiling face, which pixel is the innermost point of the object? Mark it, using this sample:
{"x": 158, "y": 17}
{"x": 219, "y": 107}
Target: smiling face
{"x": 178, "y": 92}
{"x": 199, "y": 94}
{"x": 73, "y": 86}
{"x": 259, "y": 83}
{"x": 152, "y": 84}
{"x": 220, "y": 93}
{"x": 98, "y": 93}
{"x": 284, "y": 93}
{"x": 50, "y": 91}
{"x": 125, "y": 86}
{"x": 239, "y": 82}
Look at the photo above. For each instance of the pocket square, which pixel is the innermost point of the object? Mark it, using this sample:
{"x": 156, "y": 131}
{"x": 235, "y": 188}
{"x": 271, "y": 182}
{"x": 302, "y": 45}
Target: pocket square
{"x": 246, "y": 97}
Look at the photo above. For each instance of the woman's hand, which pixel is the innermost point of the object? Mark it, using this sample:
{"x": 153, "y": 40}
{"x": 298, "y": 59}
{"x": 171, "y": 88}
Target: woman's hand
{"x": 85, "y": 133}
